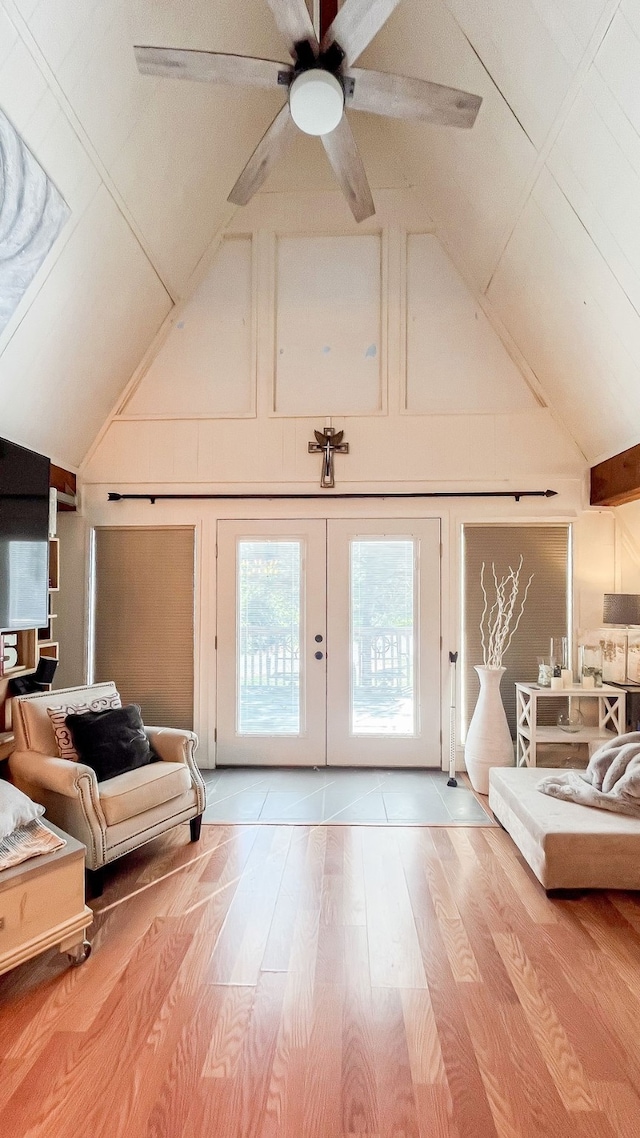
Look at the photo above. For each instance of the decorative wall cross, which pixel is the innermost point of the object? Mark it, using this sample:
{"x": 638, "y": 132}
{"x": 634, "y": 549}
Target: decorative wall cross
{"x": 328, "y": 443}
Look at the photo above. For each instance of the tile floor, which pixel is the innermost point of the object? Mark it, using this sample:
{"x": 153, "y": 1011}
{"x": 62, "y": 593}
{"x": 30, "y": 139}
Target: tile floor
{"x": 314, "y": 797}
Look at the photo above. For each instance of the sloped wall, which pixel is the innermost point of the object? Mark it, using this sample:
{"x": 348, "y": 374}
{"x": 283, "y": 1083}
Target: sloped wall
{"x": 96, "y": 302}
{"x": 375, "y": 331}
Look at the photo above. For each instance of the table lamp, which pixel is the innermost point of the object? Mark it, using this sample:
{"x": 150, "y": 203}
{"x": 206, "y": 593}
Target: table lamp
{"x": 622, "y": 609}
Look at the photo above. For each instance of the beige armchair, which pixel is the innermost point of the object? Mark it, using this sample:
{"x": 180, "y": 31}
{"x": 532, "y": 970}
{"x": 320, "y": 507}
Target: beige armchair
{"x": 115, "y": 816}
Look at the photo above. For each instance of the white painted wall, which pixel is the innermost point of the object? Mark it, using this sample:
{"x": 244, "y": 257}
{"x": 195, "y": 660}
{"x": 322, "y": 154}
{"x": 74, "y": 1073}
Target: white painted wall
{"x": 628, "y": 548}
{"x": 437, "y": 352}
{"x": 374, "y": 329}
{"x": 70, "y": 603}
{"x": 593, "y": 541}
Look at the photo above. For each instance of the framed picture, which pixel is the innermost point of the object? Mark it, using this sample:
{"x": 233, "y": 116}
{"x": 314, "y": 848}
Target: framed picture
{"x": 591, "y": 653}
{"x": 614, "y": 656}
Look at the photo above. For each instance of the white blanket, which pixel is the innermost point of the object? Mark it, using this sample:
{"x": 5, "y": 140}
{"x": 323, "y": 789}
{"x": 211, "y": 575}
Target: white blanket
{"x": 610, "y": 782}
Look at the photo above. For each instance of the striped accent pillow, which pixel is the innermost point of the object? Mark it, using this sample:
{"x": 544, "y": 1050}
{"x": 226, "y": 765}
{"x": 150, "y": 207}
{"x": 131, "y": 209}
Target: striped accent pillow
{"x": 58, "y": 717}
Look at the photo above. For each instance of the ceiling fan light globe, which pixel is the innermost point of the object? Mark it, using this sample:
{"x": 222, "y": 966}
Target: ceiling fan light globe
{"x": 316, "y": 101}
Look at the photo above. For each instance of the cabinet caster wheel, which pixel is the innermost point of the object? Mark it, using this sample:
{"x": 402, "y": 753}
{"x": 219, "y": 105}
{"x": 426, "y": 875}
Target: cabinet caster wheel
{"x": 79, "y": 954}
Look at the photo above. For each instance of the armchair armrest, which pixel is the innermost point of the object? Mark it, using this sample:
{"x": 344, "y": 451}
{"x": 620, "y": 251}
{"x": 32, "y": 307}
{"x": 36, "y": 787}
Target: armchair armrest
{"x": 172, "y": 744}
{"x": 176, "y": 746}
{"x": 69, "y": 793}
{"x": 50, "y": 773}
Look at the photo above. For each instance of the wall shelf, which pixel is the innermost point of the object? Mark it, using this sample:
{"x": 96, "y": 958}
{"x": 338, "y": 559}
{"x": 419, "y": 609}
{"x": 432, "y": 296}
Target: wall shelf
{"x": 22, "y": 645}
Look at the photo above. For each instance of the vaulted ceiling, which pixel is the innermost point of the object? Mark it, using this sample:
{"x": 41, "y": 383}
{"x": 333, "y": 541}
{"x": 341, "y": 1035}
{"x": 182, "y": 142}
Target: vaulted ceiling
{"x": 538, "y": 204}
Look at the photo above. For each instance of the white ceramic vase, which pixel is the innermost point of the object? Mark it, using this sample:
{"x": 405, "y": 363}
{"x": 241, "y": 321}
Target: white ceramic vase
{"x": 489, "y": 742}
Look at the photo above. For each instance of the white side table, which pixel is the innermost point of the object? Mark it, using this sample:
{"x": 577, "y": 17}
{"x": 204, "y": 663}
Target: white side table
{"x": 611, "y": 718}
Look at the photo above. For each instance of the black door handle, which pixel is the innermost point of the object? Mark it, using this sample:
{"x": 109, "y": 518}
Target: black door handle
{"x": 318, "y": 655}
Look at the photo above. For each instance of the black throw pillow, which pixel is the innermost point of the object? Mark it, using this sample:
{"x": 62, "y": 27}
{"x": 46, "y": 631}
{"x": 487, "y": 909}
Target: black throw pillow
{"x": 111, "y": 741}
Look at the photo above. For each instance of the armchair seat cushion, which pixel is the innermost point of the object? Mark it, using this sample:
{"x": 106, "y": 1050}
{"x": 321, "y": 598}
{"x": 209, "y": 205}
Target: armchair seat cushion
{"x": 134, "y": 792}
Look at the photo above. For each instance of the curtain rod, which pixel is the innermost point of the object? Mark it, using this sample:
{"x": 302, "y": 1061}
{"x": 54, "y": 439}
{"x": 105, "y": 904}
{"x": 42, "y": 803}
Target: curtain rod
{"x": 153, "y": 498}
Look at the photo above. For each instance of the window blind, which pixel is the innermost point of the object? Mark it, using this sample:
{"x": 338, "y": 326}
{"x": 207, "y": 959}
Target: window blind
{"x": 144, "y": 619}
{"x": 546, "y": 550}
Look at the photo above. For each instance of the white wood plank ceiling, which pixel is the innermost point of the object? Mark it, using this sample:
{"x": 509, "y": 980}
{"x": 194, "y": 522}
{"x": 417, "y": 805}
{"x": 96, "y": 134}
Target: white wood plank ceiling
{"x": 539, "y": 205}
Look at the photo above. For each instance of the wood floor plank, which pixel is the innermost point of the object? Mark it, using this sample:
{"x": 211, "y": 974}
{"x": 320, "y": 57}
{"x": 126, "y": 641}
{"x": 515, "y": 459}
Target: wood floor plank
{"x": 396, "y": 1097}
{"x": 435, "y": 1112}
{"x": 564, "y": 977}
{"x": 354, "y": 895}
{"x": 620, "y": 1102}
{"x": 423, "y": 1043}
{"x": 358, "y": 1076}
{"x": 471, "y": 1113}
{"x": 546, "y": 1113}
{"x": 556, "y": 1049}
{"x": 508, "y": 1100}
{"x": 114, "y": 1033}
{"x": 520, "y": 876}
{"x": 394, "y": 952}
{"x": 262, "y": 898}
{"x": 228, "y": 1032}
{"x": 278, "y": 947}
{"x": 255, "y": 890}
{"x": 322, "y": 1106}
{"x": 476, "y": 910}
{"x": 319, "y": 982}
{"x": 464, "y": 965}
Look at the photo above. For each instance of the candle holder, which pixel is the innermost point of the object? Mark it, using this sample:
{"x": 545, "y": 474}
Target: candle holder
{"x": 590, "y": 665}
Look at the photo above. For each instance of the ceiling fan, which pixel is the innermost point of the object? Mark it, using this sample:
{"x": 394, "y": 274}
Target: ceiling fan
{"x": 320, "y": 85}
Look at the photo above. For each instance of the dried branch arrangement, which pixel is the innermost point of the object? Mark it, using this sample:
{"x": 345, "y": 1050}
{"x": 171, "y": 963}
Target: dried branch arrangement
{"x": 495, "y": 623}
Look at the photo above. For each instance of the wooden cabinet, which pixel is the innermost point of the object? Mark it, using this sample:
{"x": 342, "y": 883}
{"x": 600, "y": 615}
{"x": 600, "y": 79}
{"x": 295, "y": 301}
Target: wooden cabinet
{"x": 42, "y": 905}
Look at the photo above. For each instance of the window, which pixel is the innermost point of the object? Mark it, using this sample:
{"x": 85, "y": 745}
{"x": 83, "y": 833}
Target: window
{"x": 144, "y": 619}
{"x": 546, "y": 550}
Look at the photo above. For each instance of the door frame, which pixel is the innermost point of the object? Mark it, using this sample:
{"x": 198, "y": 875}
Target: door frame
{"x": 365, "y": 522}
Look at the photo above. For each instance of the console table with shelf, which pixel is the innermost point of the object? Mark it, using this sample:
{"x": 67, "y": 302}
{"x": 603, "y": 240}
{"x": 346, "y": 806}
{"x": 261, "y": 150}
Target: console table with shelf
{"x": 611, "y": 718}
{"x": 633, "y": 704}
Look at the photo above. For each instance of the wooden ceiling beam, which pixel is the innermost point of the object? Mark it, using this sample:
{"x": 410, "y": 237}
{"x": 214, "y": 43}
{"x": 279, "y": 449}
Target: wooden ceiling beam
{"x": 65, "y": 483}
{"x": 328, "y": 13}
{"x": 616, "y": 480}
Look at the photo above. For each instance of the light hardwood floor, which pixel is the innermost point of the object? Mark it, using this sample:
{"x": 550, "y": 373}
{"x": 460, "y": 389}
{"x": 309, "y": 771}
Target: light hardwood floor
{"x": 319, "y": 983}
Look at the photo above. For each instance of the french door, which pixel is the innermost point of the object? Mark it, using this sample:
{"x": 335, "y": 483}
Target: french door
{"x": 329, "y": 643}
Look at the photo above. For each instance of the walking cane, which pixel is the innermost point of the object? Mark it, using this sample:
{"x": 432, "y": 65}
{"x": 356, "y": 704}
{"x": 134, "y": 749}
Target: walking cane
{"x": 453, "y": 660}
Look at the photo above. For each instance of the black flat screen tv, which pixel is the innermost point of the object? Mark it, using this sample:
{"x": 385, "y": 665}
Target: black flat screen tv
{"x": 24, "y": 538}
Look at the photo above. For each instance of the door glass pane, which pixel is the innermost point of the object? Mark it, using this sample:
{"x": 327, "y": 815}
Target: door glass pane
{"x": 268, "y": 637}
{"x": 382, "y": 637}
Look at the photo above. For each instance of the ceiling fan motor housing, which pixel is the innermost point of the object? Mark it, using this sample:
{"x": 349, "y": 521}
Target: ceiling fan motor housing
{"x": 316, "y": 101}
{"x": 319, "y": 85}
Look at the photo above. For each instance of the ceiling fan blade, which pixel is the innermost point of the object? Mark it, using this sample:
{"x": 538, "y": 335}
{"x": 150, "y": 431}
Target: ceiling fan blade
{"x": 344, "y": 156}
{"x": 355, "y": 25}
{"x": 401, "y": 98}
{"x": 212, "y": 67}
{"x": 294, "y": 22}
{"x": 268, "y": 151}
